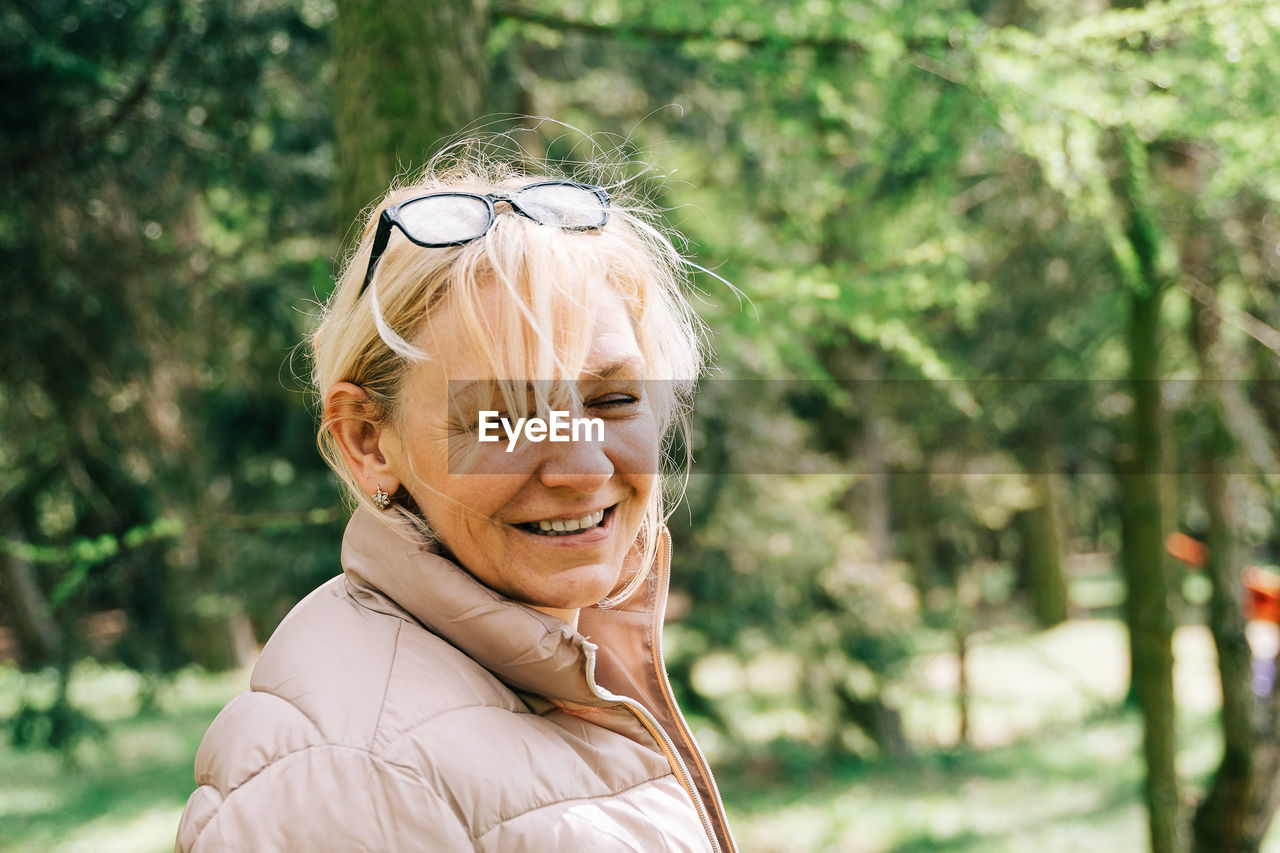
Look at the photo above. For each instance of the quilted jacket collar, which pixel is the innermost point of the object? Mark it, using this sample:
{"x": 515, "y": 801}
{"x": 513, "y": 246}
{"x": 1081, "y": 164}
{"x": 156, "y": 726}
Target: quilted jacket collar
{"x": 389, "y": 568}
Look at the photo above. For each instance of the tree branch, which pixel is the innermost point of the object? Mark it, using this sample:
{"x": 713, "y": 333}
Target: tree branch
{"x": 1266, "y": 335}
{"x": 62, "y": 143}
{"x": 619, "y": 30}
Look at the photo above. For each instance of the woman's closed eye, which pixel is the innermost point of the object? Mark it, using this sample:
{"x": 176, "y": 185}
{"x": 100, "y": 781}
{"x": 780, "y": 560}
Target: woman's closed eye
{"x": 617, "y": 403}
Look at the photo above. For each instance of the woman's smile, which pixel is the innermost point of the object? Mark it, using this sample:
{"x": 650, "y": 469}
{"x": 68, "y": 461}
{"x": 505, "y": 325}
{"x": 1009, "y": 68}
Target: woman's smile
{"x": 560, "y": 527}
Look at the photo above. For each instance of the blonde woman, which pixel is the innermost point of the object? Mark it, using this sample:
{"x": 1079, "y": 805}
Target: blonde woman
{"x": 486, "y": 673}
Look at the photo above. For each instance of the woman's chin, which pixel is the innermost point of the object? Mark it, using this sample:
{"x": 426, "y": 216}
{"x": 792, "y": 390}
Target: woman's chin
{"x": 576, "y": 588}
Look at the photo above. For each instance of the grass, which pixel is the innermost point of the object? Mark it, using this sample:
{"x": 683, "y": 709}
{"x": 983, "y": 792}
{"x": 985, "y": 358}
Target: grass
{"x": 121, "y": 792}
{"x": 1054, "y": 766}
{"x": 1078, "y": 789}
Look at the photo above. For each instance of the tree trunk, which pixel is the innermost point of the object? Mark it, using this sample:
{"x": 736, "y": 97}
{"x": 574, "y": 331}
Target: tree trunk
{"x": 39, "y": 637}
{"x": 1141, "y": 517}
{"x": 1236, "y": 811}
{"x": 1146, "y": 605}
{"x": 874, "y": 500}
{"x": 962, "y": 685}
{"x": 1042, "y": 553}
{"x": 1220, "y": 819}
{"x": 408, "y": 74}
{"x": 877, "y": 720}
{"x": 912, "y": 497}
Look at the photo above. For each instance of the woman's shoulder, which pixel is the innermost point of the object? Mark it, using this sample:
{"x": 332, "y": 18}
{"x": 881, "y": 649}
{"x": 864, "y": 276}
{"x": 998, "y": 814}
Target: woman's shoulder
{"x": 361, "y": 672}
{"x": 336, "y": 689}
{"x": 338, "y": 673}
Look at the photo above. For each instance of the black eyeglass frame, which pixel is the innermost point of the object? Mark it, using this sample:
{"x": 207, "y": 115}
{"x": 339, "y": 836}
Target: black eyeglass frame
{"x": 391, "y": 217}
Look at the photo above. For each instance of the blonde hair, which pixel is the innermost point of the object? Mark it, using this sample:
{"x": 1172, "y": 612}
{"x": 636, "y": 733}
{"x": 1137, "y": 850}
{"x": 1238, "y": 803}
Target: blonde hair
{"x": 548, "y": 307}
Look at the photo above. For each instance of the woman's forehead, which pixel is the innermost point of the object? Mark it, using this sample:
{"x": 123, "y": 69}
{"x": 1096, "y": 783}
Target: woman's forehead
{"x": 463, "y": 342}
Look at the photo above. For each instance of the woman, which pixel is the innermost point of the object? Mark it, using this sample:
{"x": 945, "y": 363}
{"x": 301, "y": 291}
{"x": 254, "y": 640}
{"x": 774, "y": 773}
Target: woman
{"x": 486, "y": 673}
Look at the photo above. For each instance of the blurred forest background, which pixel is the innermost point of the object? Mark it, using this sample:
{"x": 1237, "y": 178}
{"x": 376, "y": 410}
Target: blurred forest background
{"x": 998, "y": 419}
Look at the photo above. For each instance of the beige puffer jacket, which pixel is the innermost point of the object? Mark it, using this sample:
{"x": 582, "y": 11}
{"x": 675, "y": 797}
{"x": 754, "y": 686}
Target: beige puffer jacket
{"x": 405, "y": 706}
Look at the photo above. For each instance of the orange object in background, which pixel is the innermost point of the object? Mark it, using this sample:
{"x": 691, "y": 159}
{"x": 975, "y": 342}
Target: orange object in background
{"x": 1261, "y": 585}
{"x": 1193, "y": 552}
{"x": 1262, "y": 594}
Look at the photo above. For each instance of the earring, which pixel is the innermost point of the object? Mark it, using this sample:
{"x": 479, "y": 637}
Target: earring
{"x": 381, "y": 499}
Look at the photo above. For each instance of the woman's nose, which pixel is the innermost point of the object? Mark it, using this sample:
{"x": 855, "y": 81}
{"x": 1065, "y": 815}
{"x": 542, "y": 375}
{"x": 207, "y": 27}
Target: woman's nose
{"x": 582, "y": 465}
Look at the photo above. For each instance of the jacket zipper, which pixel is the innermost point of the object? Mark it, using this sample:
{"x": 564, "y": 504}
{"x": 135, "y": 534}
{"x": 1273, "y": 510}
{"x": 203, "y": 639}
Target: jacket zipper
{"x": 664, "y": 741}
{"x": 665, "y": 685}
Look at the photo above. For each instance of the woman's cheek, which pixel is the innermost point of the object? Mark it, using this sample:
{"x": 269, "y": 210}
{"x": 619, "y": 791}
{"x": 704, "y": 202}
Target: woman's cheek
{"x": 632, "y": 444}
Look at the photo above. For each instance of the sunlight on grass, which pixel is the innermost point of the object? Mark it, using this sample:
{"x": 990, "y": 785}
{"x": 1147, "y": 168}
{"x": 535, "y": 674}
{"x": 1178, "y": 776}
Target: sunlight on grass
{"x": 152, "y": 829}
{"x": 1059, "y": 767}
{"x": 1075, "y": 791}
{"x": 122, "y": 792}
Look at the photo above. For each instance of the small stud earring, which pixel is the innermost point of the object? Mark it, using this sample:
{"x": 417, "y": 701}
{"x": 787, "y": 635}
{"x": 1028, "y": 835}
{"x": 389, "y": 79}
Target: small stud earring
{"x": 381, "y": 499}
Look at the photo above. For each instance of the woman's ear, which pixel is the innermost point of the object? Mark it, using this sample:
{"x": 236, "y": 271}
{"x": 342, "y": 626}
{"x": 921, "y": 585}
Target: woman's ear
{"x": 363, "y": 443}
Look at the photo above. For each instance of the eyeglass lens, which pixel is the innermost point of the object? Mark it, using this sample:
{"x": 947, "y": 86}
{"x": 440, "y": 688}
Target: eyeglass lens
{"x": 445, "y": 218}
{"x": 562, "y": 204}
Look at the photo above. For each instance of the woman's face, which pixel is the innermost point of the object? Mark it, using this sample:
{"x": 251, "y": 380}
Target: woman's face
{"x": 495, "y": 523}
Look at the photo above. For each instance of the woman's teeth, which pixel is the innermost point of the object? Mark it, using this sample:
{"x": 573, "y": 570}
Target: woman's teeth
{"x": 561, "y": 527}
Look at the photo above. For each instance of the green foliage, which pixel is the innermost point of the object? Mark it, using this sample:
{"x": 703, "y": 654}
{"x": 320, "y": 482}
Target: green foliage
{"x": 85, "y": 554}
{"x": 168, "y": 170}
{"x": 59, "y": 726}
{"x": 934, "y": 212}
{"x": 957, "y": 196}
